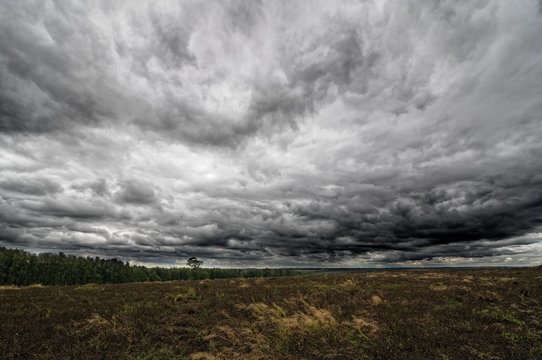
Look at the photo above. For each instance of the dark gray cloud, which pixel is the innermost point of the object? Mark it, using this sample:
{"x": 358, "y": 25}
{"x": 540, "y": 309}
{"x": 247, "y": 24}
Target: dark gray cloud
{"x": 38, "y": 186}
{"x": 136, "y": 192}
{"x": 273, "y": 133}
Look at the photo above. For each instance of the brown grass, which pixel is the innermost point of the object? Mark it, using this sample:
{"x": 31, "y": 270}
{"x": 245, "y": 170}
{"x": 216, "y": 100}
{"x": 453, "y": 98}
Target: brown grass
{"x": 461, "y": 314}
{"x": 376, "y": 300}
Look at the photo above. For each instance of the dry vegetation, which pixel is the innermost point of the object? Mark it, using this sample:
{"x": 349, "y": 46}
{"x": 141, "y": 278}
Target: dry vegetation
{"x": 461, "y": 314}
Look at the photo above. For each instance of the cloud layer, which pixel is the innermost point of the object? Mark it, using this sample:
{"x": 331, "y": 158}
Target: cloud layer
{"x": 273, "y": 132}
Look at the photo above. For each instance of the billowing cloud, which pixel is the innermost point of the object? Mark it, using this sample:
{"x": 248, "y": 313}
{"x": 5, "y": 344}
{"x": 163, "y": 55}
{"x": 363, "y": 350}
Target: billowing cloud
{"x": 273, "y": 132}
{"x": 136, "y": 192}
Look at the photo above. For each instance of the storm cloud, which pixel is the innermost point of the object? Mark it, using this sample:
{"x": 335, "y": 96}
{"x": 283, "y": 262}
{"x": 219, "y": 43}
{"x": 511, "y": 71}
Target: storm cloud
{"x": 273, "y": 133}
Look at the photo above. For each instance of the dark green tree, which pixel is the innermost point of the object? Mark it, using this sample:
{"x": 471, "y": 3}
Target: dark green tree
{"x": 194, "y": 263}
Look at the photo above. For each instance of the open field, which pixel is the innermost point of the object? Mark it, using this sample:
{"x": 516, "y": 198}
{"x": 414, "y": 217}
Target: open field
{"x": 429, "y": 314}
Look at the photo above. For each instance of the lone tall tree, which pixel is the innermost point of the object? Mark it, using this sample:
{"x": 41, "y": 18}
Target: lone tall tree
{"x": 194, "y": 262}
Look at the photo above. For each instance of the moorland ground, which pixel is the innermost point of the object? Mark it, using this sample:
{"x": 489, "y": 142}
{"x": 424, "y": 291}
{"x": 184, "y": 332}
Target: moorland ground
{"x": 422, "y": 314}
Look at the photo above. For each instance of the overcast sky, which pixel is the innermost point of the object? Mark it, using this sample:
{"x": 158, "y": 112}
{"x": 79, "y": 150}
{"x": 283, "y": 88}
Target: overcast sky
{"x": 273, "y": 133}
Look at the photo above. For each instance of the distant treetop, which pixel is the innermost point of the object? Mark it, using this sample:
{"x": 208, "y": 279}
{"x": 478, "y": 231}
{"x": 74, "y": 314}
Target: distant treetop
{"x": 194, "y": 262}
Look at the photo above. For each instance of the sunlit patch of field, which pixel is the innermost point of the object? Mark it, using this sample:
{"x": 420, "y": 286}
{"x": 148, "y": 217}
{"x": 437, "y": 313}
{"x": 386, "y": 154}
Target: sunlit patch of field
{"x": 459, "y": 314}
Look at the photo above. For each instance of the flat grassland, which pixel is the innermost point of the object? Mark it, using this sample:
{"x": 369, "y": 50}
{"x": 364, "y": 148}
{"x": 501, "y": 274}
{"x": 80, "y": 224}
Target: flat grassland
{"x": 421, "y": 314}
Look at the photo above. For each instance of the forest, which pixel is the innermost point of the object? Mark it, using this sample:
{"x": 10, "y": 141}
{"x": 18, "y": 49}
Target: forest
{"x": 21, "y": 268}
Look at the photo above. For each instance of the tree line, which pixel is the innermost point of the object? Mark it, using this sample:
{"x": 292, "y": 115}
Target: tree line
{"x": 21, "y": 268}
